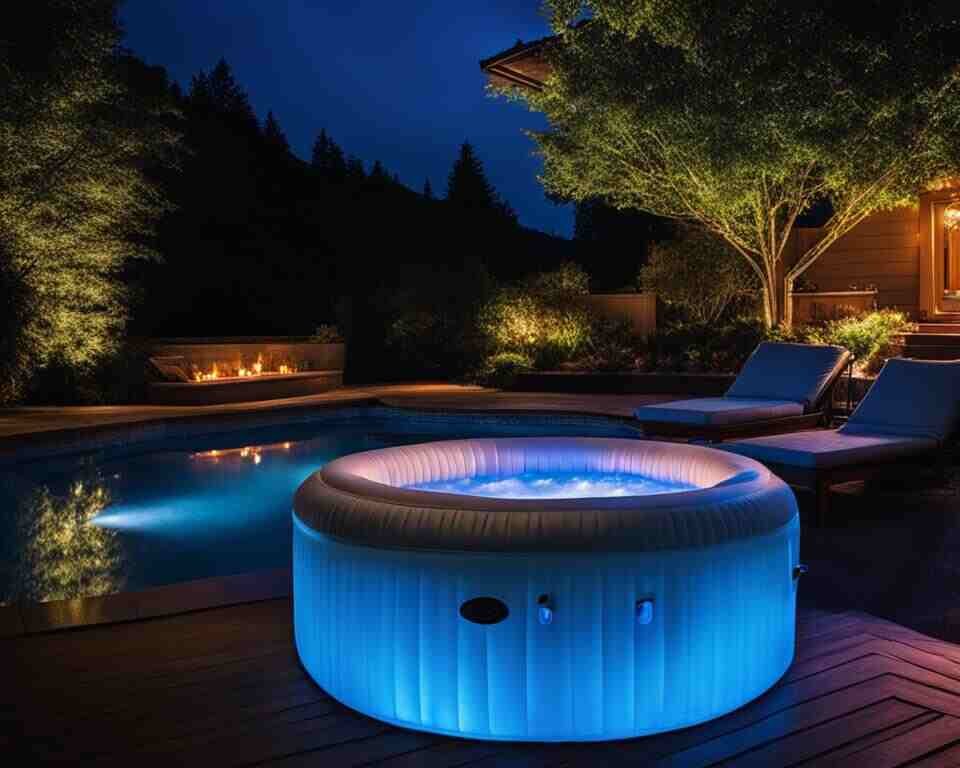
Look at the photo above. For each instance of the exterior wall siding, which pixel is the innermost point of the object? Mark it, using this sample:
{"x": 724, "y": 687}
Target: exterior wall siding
{"x": 882, "y": 251}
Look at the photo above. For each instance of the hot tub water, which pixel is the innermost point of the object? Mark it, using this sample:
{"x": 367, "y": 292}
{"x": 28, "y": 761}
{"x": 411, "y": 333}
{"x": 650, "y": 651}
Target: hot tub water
{"x": 557, "y": 485}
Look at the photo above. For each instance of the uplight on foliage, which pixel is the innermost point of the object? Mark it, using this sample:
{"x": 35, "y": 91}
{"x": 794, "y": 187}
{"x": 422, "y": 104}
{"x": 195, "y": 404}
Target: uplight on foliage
{"x": 75, "y": 201}
{"x": 866, "y": 335}
{"x": 741, "y": 116}
{"x": 541, "y": 318}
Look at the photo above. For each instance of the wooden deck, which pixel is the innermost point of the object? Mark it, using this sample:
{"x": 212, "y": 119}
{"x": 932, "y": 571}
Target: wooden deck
{"x": 224, "y": 687}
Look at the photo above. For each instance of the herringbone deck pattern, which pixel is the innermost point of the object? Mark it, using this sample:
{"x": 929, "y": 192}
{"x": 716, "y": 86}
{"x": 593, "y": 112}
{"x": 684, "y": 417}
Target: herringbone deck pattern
{"x": 224, "y": 687}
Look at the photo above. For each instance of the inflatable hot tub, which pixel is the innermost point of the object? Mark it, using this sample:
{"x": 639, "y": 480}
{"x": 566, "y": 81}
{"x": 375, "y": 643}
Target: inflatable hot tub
{"x": 545, "y": 619}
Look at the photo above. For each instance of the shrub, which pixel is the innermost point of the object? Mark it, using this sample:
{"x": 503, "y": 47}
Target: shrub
{"x": 703, "y": 347}
{"x": 541, "y": 318}
{"x": 701, "y": 276}
{"x": 118, "y": 378}
{"x": 612, "y": 347}
{"x": 501, "y": 370}
{"x": 421, "y": 322}
{"x": 327, "y": 334}
{"x": 866, "y": 336}
{"x": 568, "y": 281}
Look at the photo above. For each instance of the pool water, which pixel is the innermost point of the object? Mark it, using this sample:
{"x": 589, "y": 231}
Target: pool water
{"x": 190, "y": 508}
{"x": 538, "y": 485}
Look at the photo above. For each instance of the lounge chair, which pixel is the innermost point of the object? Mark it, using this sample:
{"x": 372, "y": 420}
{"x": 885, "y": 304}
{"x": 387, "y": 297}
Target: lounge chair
{"x": 909, "y": 413}
{"x": 782, "y": 388}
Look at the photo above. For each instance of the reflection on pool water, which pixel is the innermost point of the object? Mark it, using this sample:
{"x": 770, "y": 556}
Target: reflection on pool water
{"x": 537, "y": 485}
{"x": 191, "y": 508}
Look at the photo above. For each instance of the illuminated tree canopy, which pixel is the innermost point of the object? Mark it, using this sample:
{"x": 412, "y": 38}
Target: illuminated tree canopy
{"x": 75, "y": 202}
{"x": 741, "y": 116}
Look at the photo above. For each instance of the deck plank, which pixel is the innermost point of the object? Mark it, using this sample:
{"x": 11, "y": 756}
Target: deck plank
{"x": 837, "y": 757}
{"x": 828, "y": 735}
{"x": 225, "y": 687}
{"x": 918, "y": 743}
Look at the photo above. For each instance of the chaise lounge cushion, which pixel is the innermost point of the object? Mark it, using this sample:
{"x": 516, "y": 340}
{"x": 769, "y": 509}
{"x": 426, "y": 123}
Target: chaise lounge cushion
{"x": 911, "y": 398}
{"x": 797, "y": 372}
{"x": 827, "y": 448}
{"x": 716, "y": 411}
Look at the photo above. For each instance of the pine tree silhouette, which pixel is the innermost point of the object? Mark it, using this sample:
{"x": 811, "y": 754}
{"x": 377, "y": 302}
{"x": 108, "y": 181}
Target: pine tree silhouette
{"x": 328, "y": 159}
{"x": 355, "y": 170}
{"x": 273, "y": 135}
{"x": 378, "y": 174}
{"x": 428, "y": 190}
{"x": 468, "y": 187}
{"x": 218, "y": 92}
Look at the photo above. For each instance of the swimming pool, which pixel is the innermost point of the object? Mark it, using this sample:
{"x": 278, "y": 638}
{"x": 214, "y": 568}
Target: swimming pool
{"x": 207, "y": 505}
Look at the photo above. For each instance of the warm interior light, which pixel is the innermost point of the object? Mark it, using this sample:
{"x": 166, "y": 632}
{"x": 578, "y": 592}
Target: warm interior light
{"x": 951, "y": 217}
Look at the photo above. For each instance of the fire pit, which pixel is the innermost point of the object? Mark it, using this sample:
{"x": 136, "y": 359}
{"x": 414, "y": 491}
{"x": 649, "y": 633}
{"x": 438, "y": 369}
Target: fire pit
{"x": 227, "y": 370}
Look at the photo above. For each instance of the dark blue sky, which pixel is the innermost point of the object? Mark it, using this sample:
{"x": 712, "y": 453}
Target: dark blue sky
{"x": 389, "y": 80}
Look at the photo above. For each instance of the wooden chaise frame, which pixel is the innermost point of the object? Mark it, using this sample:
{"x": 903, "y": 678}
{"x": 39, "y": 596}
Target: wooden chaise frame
{"x": 819, "y": 480}
{"x": 819, "y": 414}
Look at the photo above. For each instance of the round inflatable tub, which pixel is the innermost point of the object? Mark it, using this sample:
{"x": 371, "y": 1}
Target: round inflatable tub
{"x": 567, "y": 619}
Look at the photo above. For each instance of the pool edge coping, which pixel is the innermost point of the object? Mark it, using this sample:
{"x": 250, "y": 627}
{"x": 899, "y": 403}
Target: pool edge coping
{"x": 20, "y": 620}
{"x": 51, "y": 443}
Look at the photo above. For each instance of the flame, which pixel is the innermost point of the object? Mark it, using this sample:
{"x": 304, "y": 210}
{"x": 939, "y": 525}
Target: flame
{"x": 241, "y": 371}
{"x": 252, "y": 453}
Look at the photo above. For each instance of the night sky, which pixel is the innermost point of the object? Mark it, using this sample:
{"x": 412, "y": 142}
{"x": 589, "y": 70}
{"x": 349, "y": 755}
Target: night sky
{"x": 395, "y": 81}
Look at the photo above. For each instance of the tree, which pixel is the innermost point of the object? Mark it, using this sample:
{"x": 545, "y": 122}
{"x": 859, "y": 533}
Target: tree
{"x": 741, "y": 117}
{"x": 355, "y": 170}
{"x": 467, "y": 184}
{"x": 218, "y": 92}
{"x": 328, "y": 158}
{"x": 428, "y": 190}
{"x": 378, "y": 174}
{"x": 701, "y": 275}
{"x": 75, "y": 201}
{"x": 274, "y": 137}
{"x": 469, "y": 189}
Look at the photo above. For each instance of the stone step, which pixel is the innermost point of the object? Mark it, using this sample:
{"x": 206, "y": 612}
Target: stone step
{"x": 939, "y": 328}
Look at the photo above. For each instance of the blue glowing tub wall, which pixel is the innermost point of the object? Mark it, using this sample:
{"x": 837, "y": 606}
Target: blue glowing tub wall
{"x": 380, "y": 627}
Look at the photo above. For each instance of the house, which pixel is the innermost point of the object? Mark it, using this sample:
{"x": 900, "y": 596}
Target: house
{"x": 908, "y": 258}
